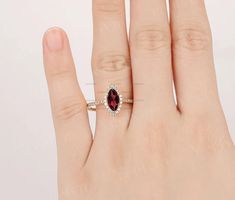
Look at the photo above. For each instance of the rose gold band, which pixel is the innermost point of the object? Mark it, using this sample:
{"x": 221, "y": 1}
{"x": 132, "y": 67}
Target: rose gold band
{"x": 92, "y": 106}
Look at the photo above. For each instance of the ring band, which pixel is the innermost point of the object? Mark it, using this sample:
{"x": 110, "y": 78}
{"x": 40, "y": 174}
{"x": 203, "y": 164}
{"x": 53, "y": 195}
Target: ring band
{"x": 112, "y": 101}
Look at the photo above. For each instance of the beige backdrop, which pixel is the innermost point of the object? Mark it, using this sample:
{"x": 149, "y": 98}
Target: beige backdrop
{"x": 27, "y": 143}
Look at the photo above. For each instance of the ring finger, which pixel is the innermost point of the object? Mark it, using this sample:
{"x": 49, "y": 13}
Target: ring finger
{"x": 111, "y": 62}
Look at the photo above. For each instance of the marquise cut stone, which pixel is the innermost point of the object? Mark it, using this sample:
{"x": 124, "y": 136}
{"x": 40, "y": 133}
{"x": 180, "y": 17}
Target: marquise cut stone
{"x": 113, "y": 99}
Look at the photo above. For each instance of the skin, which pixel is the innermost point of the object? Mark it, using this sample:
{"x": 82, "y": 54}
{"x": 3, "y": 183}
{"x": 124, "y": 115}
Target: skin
{"x": 155, "y": 149}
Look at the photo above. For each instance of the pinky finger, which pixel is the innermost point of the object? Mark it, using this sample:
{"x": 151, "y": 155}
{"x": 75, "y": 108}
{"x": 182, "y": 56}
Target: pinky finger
{"x": 68, "y": 106}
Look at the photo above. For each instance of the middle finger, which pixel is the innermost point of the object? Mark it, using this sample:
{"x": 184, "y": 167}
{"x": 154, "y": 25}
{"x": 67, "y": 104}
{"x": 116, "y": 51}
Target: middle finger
{"x": 150, "y": 44}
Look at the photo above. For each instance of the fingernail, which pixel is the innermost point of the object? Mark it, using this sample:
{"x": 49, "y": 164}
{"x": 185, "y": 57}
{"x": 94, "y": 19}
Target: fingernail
{"x": 54, "y": 39}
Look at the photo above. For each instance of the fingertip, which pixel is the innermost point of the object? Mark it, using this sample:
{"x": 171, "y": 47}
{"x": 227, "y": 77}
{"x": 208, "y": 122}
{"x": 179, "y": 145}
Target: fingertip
{"x": 54, "y": 39}
{"x": 57, "y": 55}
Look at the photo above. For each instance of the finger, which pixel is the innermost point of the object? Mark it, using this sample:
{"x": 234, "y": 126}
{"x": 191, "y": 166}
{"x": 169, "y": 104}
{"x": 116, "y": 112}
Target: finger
{"x": 111, "y": 62}
{"x": 192, "y": 54}
{"x": 68, "y": 105}
{"x": 151, "y": 57}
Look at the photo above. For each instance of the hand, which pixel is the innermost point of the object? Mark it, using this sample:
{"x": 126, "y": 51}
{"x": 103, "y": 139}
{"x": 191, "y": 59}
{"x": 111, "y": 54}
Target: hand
{"x": 155, "y": 149}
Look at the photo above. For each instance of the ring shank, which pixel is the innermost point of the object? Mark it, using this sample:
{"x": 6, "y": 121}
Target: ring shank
{"x": 92, "y": 106}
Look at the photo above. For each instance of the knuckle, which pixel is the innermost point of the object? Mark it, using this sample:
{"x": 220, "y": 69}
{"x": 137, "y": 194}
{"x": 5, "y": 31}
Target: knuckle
{"x": 156, "y": 138}
{"x": 107, "y": 7}
{"x": 194, "y": 39}
{"x": 62, "y": 74}
{"x": 69, "y": 108}
{"x": 152, "y": 38}
{"x": 60, "y": 70}
{"x": 206, "y": 136}
{"x": 111, "y": 63}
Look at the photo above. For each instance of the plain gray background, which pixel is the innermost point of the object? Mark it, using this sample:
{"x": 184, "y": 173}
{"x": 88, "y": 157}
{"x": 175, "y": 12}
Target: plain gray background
{"x": 27, "y": 142}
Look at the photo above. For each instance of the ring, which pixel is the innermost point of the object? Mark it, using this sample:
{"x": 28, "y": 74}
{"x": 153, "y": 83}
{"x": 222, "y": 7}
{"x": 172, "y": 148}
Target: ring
{"x": 112, "y": 101}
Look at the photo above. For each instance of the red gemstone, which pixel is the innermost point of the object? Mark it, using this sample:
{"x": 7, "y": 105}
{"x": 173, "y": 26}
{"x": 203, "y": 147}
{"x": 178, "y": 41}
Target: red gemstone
{"x": 113, "y": 99}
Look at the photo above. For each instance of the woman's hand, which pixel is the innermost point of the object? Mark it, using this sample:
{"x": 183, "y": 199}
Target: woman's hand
{"x": 155, "y": 148}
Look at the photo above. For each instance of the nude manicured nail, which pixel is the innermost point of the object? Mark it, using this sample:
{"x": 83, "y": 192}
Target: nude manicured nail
{"x": 54, "y": 39}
